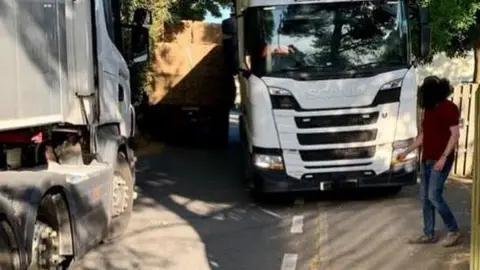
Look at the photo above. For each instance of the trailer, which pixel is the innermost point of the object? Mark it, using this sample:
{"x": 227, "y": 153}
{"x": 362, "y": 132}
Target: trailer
{"x": 67, "y": 172}
{"x": 194, "y": 91}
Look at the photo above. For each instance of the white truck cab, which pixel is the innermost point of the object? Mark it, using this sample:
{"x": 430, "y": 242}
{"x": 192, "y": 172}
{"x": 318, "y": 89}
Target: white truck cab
{"x": 329, "y": 93}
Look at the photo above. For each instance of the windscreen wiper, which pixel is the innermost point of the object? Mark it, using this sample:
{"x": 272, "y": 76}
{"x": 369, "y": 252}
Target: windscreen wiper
{"x": 306, "y": 67}
{"x": 375, "y": 65}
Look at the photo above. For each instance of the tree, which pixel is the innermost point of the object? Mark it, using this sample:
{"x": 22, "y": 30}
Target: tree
{"x": 197, "y": 10}
{"x": 456, "y": 29}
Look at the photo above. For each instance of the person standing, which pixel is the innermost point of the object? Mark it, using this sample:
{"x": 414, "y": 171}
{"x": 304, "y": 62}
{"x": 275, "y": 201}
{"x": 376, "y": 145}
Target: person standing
{"x": 439, "y": 137}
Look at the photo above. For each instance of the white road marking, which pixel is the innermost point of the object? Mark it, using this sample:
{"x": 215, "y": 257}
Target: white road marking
{"x": 297, "y": 225}
{"x": 269, "y": 212}
{"x": 324, "y": 241}
{"x": 289, "y": 261}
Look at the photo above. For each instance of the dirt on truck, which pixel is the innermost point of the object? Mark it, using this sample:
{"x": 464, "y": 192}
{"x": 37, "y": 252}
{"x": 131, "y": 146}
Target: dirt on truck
{"x": 193, "y": 91}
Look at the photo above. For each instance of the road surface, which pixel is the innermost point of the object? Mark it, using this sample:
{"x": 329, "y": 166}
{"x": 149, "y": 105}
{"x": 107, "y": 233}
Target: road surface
{"x": 193, "y": 213}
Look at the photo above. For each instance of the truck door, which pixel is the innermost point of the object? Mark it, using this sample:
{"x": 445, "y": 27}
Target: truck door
{"x": 116, "y": 80}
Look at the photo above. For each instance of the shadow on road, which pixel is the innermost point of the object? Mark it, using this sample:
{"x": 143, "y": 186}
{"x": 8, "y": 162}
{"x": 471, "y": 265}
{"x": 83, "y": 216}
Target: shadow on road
{"x": 194, "y": 202}
{"x": 191, "y": 198}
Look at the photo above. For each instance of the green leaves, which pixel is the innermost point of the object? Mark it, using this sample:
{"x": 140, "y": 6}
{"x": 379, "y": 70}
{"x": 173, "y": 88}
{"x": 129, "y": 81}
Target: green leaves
{"x": 196, "y": 9}
{"x": 454, "y": 25}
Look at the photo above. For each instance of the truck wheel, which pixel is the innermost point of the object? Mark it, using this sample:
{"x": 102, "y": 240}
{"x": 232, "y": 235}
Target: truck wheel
{"x": 9, "y": 257}
{"x": 122, "y": 201}
{"x": 220, "y": 129}
{"x": 254, "y": 186}
{"x": 245, "y": 159}
{"x": 221, "y": 137}
{"x": 45, "y": 253}
{"x": 392, "y": 191}
{"x": 46, "y": 236}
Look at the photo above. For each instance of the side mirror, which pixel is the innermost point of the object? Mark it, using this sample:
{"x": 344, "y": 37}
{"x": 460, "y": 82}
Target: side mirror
{"x": 425, "y": 33}
{"x": 229, "y": 27}
{"x": 142, "y": 16}
{"x": 139, "y": 36}
{"x": 140, "y": 49}
{"x": 230, "y": 52}
{"x": 245, "y": 73}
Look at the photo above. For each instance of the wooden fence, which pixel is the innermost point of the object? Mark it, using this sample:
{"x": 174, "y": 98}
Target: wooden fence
{"x": 464, "y": 97}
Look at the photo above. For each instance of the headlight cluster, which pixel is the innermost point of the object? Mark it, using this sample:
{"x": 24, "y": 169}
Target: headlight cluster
{"x": 268, "y": 162}
{"x": 282, "y": 99}
{"x": 409, "y": 163}
{"x": 392, "y": 84}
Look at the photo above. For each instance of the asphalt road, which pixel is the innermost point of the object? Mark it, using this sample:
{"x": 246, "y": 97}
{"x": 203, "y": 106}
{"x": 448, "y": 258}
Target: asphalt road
{"x": 193, "y": 213}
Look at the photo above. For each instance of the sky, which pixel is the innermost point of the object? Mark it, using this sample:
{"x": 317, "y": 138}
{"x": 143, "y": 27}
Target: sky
{"x": 225, "y": 14}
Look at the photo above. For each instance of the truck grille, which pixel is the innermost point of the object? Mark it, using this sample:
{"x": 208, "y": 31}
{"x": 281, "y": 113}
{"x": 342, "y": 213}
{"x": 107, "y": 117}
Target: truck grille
{"x": 338, "y": 154}
{"x": 337, "y": 137}
{"x": 337, "y": 120}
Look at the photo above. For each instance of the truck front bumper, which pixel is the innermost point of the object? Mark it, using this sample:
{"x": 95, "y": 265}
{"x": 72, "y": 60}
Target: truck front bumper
{"x": 280, "y": 182}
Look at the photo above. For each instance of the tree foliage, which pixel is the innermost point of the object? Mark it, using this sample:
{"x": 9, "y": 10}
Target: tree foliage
{"x": 197, "y": 10}
{"x": 455, "y": 28}
{"x": 454, "y": 25}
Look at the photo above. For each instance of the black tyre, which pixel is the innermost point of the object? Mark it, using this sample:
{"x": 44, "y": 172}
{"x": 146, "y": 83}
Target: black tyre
{"x": 9, "y": 257}
{"x": 392, "y": 191}
{"x": 254, "y": 186}
{"x": 124, "y": 190}
{"x": 246, "y": 164}
{"x": 221, "y": 131}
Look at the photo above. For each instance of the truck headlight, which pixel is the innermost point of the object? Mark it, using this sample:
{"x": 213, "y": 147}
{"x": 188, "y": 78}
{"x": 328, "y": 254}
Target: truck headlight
{"x": 411, "y": 156}
{"x": 269, "y": 162}
{"x": 392, "y": 84}
{"x": 400, "y": 147}
{"x": 282, "y": 99}
{"x": 277, "y": 91}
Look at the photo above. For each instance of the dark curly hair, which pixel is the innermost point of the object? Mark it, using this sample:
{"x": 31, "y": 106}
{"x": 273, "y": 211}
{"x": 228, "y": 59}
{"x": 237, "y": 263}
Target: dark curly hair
{"x": 433, "y": 91}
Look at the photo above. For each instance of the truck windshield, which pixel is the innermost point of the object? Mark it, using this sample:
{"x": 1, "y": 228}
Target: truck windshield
{"x": 348, "y": 37}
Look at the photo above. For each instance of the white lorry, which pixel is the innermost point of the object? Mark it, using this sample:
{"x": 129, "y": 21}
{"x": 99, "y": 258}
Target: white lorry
{"x": 329, "y": 92}
{"x": 67, "y": 173}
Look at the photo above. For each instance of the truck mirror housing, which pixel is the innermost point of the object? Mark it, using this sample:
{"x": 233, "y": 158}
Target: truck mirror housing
{"x": 425, "y": 33}
{"x": 229, "y": 27}
{"x": 140, "y": 39}
{"x": 142, "y": 16}
{"x": 230, "y": 53}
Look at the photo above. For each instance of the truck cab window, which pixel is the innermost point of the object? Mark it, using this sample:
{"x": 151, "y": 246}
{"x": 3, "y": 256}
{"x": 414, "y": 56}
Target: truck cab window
{"x": 109, "y": 19}
{"x": 326, "y": 37}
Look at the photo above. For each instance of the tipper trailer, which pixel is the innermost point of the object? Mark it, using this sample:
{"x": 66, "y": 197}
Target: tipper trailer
{"x": 328, "y": 90}
{"x": 67, "y": 172}
{"x": 193, "y": 91}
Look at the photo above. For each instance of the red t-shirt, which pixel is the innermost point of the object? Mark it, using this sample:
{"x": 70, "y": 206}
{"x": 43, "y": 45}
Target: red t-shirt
{"x": 436, "y": 129}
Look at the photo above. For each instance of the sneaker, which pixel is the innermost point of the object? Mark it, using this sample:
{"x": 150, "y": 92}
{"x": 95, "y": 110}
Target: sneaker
{"x": 452, "y": 239}
{"x": 424, "y": 239}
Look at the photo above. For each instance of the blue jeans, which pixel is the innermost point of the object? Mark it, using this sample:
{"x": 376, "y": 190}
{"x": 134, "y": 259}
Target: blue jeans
{"x": 431, "y": 194}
